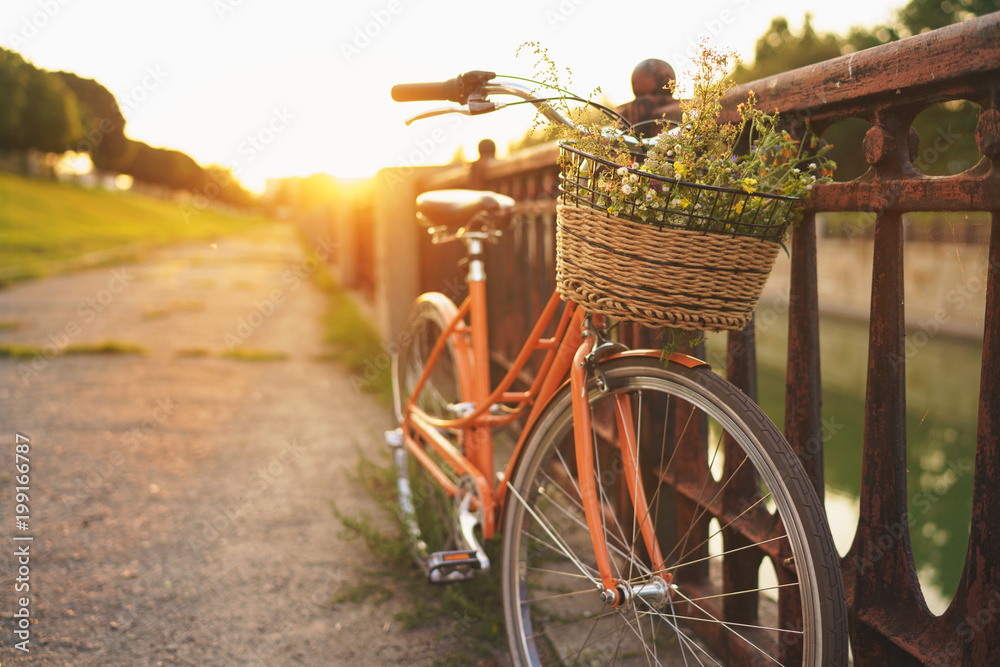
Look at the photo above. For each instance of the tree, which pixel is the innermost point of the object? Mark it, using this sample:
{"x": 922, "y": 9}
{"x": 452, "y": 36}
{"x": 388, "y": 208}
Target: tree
{"x": 922, "y": 15}
{"x": 51, "y": 119}
{"x": 103, "y": 125}
{"x": 14, "y": 100}
{"x": 953, "y": 123}
{"x": 37, "y": 110}
{"x": 163, "y": 166}
{"x": 779, "y": 50}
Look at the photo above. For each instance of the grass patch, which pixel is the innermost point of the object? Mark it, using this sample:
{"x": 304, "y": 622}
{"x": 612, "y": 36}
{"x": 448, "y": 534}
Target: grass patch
{"x": 175, "y": 305}
{"x": 47, "y": 224}
{"x": 16, "y": 351}
{"x": 242, "y": 354}
{"x": 193, "y": 352}
{"x": 468, "y": 615}
{"x": 104, "y": 347}
{"x": 152, "y": 313}
{"x": 354, "y": 341}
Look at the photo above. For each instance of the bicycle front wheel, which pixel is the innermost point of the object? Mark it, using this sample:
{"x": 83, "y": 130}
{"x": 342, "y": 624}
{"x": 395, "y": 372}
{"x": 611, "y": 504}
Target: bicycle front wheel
{"x": 750, "y": 576}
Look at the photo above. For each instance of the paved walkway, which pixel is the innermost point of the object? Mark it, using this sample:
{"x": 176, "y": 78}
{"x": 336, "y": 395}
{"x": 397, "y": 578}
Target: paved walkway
{"x": 180, "y": 499}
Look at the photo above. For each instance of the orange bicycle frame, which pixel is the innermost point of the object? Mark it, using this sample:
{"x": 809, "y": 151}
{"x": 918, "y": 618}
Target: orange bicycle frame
{"x": 565, "y": 355}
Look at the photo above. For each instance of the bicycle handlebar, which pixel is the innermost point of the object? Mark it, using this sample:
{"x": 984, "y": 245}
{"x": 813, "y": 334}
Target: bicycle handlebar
{"x": 423, "y": 92}
{"x": 471, "y": 90}
{"x": 463, "y": 88}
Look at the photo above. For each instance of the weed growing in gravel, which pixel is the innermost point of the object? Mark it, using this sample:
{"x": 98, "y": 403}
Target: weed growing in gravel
{"x": 193, "y": 352}
{"x": 17, "y": 351}
{"x": 104, "y": 347}
{"x": 354, "y": 340}
{"x": 468, "y": 615}
{"x": 242, "y": 354}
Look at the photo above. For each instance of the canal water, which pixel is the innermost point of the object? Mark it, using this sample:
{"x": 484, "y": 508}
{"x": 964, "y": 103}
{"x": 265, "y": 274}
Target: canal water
{"x": 943, "y": 356}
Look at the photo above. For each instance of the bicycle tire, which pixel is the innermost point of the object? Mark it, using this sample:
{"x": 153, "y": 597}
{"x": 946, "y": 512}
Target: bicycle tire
{"x": 552, "y": 608}
{"x": 431, "y": 520}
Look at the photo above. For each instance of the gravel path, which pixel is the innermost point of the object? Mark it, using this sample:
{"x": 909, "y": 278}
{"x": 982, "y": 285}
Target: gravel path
{"x": 179, "y": 499}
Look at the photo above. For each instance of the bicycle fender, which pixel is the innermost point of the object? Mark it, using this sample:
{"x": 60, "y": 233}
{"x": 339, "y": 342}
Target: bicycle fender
{"x": 683, "y": 359}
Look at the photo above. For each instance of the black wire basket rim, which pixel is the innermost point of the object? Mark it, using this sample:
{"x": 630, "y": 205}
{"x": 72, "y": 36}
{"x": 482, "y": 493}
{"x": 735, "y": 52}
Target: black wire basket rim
{"x": 564, "y": 145}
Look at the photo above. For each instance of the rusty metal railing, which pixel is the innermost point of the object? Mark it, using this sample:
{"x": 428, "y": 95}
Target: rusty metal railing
{"x": 886, "y": 86}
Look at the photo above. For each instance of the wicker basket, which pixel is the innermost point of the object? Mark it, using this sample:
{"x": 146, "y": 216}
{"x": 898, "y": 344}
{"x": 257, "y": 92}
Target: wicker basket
{"x": 697, "y": 260}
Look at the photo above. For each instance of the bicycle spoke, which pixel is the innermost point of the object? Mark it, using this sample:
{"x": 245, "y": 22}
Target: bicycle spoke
{"x": 563, "y": 548}
{"x": 663, "y": 616}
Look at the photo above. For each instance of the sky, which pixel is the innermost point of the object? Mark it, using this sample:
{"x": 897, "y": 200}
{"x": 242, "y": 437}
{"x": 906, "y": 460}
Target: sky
{"x": 290, "y": 88}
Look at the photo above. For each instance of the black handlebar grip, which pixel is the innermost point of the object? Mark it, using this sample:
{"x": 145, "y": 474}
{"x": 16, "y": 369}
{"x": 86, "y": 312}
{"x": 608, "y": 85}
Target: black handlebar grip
{"x": 425, "y": 92}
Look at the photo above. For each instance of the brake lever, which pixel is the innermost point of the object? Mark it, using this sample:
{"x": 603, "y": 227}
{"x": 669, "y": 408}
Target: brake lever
{"x": 472, "y": 108}
{"x": 437, "y": 112}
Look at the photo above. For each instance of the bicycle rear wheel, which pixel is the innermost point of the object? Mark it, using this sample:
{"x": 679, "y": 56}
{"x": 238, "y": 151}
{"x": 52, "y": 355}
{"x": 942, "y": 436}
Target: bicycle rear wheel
{"x": 428, "y": 511}
{"x": 725, "y": 494}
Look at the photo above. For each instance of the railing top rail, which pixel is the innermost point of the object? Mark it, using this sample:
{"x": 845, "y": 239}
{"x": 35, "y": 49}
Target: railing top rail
{"x": 957, "y": 61}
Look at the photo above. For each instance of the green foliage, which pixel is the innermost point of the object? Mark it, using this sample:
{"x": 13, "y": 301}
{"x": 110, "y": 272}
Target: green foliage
{"x": 779, "y": 50}
{"x": 468, "y": 615}
{"x": 947, "y": 131}
{"x": 37, "y": 109}
{"x": 46, "y": 224}
{"x": 59, "y": 111}
{"x": 755, "y": 155}
{"x": 104, "y": 347}
{"x": 102, "y": 122}
{"x": 243, "y": 354}
{"x": 14, "y": 100}
{"x": 922, "y": 15}
{"x": 17, "y": 351}
{"x": 51, "y": 119}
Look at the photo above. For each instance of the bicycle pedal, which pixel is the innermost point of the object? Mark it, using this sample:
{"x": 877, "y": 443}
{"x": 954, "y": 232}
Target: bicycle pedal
{"x": 394, "y": 438}
{"x": 447, "y": 566}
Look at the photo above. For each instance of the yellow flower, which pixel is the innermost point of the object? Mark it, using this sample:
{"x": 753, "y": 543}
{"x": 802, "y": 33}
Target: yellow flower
{"x": 680, "y": 169}
{"x": 749, "y": 184}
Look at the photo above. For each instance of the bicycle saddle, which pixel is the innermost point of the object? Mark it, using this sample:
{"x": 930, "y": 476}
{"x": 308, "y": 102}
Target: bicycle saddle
{"x": 460, "y": 208}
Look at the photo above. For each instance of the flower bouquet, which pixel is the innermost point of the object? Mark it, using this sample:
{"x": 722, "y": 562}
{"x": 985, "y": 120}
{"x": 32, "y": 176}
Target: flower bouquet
{"x": 682, "y": 230}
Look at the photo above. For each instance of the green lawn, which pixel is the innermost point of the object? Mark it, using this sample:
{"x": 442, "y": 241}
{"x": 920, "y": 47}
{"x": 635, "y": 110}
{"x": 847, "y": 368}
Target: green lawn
{"x": 45, "y": 224}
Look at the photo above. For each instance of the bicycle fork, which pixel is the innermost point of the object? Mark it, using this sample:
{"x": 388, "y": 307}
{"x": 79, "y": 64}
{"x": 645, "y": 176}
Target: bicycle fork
{"x": 655, "y": 588}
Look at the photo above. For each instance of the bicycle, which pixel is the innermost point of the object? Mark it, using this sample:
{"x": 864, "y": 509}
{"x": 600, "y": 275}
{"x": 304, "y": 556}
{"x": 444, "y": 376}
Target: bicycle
{"x": 607, "y": 554}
